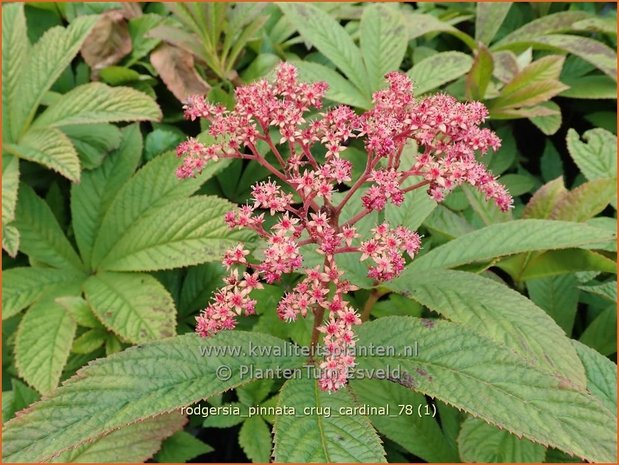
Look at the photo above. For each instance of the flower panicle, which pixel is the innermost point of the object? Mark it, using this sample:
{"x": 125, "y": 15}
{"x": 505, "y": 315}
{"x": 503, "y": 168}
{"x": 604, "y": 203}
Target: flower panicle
{"x": 296, "y": 208}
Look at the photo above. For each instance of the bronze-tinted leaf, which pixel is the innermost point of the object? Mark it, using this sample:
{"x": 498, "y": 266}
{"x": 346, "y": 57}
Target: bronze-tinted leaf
{"x": 108, "y": 42}
{"x": 176, "y": 68}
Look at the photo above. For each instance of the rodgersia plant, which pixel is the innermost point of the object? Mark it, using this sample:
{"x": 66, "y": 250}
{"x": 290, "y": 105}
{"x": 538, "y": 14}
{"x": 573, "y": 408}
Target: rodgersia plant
{"x": 448, "y": 135}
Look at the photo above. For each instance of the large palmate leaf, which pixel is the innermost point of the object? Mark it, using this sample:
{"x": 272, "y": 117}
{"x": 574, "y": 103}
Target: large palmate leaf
{"x": 181, "y": 233}
{"x": 480, "y": 442}
{"x": 49, "y": 147}
{"x": 132, "y": 444}
{"x": 322, "y": 31}
{"x": 498, "y": 313}
{"x": 15, "y": 52}
{"x": 418, "y": 434}
{"x": 317, "y": 437}
{"x": 23, "y": 286}
{"x": 153, "y": 186}
{"x": 41, "y": 236}
{"x": 93, "y": 195}
{"x": 99, "y": 103}
{"x": 49, "y": 57}
{"x": 135, "y": 306}
{"x": 43, "y": 342}
{"x": 491, "y": 382}
{"x": 112, "y": 392}
{"x": 510, "y": 238}
{"x": 384, "y": 39}
{"x": 436, "y": 70}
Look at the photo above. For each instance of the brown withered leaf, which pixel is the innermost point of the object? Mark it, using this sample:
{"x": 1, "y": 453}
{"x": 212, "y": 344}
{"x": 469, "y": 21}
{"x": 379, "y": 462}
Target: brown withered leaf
{"x": 176, "y": 68}
{"x": 108, "y": 42}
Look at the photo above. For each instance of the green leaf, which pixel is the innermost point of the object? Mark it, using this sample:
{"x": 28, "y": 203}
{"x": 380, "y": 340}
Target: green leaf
{"x": 80, "y": 311}
{"x": 590, "y": 87}
{"x": 93, "y": 142}
{"x": 227, "y": 421}
{"x": 15, "y": 53}
{"x": 10, "y": 185}
{"x": 601, "y": 375}
{"x": 99, "y": 103}
{"x": 600, "y": 334}
{"x": 254, "y": 393}
{"x": 598, "y": 54}
{"x": 340, "y": 90}
{"x": 132, "y": 444}
{"x": 586, "y": 201}
{"x": 536, "y": 83}
{"x": 436, "y": 70}
{"x": 322, "y": 31}
{"x": 255, "y": 440}
{"x": 557, "y": 22}
{"x": 607, "y": 290}
{"x": 91, "y": 198}
{"x": 492, "y": 383}
{"x": 442, "y": 221}
{"x": 596, "y": 157}
{"x": 163, "y": 138}
{"x": 558, "y": 296}
{"x": 417, "y": 206}
{"x": 545, "y": 199}
{"x": 180, "y": 448}
{"x": 10, "y": 239}
{"x": 88, "y": 342}
{"x": 199, "y": 284}
{"x": 137, "y": 199}
{"x": 383, "y": 42}
{"x": 510, "y": 238}
{"x": 41, "y": 236}
{"x": 555, "y": 262}
{"x": 51, "y": 148}
{"x": 480, "y": 442}
{"x": 548, "y": 124}
{"x": 135, "y": 306}
{"x": 498, "y": 313}
{"x": 420, "y": 24}
{"x": 480, "y": 74}
{"x": 23, "y": 286}
{"x": 49, "y": 57}
{"x": 42, "y": 345}
{"x": 487, "y": 211}
{"x": 110, "y": 393}
{"x": 488, "y": 20}
{"x": 182, "y": 233}
{"x": 419, "y": 435}
{"x": 19, "y": 398}
{"x": 318, "y": 437}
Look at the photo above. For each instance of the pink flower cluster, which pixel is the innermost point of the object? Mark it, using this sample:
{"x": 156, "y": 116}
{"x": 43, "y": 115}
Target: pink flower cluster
{"x": 447, "y": 134}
